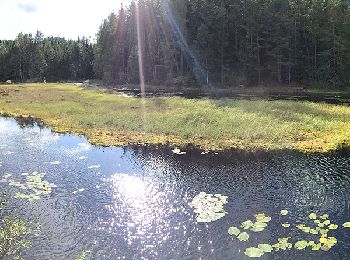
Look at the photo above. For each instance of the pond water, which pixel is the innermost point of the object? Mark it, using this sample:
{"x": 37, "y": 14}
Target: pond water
{"x": 133, "y": 202}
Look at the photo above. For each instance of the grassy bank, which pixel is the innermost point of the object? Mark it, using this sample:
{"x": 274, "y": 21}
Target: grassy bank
{"x": 109, "y": 119}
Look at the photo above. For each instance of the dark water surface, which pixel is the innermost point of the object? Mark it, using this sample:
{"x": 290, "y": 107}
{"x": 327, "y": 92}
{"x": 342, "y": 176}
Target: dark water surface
{"x": 136, "y": 204}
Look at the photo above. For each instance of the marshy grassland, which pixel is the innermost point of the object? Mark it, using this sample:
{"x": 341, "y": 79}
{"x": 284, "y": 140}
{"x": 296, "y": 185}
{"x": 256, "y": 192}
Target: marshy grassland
{"x": 108, "y": 119}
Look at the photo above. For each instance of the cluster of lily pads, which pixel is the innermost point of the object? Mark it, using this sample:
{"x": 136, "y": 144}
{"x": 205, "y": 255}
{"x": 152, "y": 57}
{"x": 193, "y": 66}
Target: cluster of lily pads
{"x": 258, "y": 225}
{"x": 33, "y": 188}
{"x": 209, "y": 207}
{"x": 322, "y": 226}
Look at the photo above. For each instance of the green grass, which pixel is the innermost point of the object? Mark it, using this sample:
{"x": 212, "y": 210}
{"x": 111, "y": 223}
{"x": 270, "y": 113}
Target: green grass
{"x": 108, "y": 119}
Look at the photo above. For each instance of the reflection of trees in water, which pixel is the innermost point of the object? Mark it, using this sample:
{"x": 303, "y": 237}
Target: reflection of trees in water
{"x": 194, "y": 156}
{"x": 29, "y": 122}
{"x": 14, "y": 231}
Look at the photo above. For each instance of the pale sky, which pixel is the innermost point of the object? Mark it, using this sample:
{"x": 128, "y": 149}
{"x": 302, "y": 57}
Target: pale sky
{"x": 65, "y": 18}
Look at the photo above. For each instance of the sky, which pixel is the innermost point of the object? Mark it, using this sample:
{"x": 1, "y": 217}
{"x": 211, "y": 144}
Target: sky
{"x": 65, "y": 18}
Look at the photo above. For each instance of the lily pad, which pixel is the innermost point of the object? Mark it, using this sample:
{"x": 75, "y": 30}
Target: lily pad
{"x": 34, "y": 185}
{"x": 262, "y": 218}
{"x": 258, "y": 226}
{"x": 244, "y": 236}
{"x": 333, "y": 226}
{"x": 311, "y": 243}
{"x": 306, "y": 229}
{"x": 324, "y": 231}
{"x": 324, "y": 216}
{"x": 283, "y": 244}
{"x": 323, "y": 240}
{"x": 330, "y": 242}
{"x": 346, "y": 225}
{"x": 284, "y": 212}
{"x": 312, "y": 216}
{"x": 285, "y": 225}
{"x": 321, "y": 225}
{"x": 247, "y": 224}
{"x": 327, "y": 222}
{"x": 253, "y": 252}
{"x": 313, "y": 231}
{"x": 300, "y": 245}
{"x": 266, "y": 248}
{"x": 233, "y": 231}
{"x": 316, "y": 247}
{"x": 300, "y": 226}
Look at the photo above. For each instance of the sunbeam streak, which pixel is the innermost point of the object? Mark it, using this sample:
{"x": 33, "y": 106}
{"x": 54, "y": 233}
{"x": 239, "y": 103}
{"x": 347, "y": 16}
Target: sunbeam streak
{"x": 139, "y": 46}
{"x": 141, "y": 72}
{"x": 190, "y": 57}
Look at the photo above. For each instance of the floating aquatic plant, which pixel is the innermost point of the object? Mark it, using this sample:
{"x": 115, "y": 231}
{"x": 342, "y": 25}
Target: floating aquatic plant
{"x": 283, "y": 244}
{"x": 284, "y": 212}
{"x": 266, "y": 248}
{"x": 209, "y": 207}
{"x": 178, "y": 151}
{"x": 346, "y": 225}
{"x": 244, "y": 236}
{"x": 253, "y": 252}
{"x": 247, "y": 224}
{"x": 83, "y": 255}
{"x": 233, "y": 231}
{"x": 324, "y": 216}
{"x": 206, "y": 204}
{"x": 260, "y": 217}
{"x": 34, "y": 185}
{"x": 322, "y": 227}
{"x": 259, "y": 225}
{"x": 312, "y": 216}
{"x": 300, "y": 245}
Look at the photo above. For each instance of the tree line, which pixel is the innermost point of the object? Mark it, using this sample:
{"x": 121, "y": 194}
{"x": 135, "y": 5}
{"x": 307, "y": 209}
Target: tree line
{"x": 29, "y": 58}
{"x": 222, "y": 42}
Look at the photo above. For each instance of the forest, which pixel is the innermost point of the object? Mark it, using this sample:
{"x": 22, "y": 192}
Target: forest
{"x": 226, "y": 43}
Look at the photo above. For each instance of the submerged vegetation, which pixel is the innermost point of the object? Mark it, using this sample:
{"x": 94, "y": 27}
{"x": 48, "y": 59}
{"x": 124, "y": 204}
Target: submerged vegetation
{"x": 319, "y": 226}
{"x": 14, "y": 231}
{"x": 109, "y": 119}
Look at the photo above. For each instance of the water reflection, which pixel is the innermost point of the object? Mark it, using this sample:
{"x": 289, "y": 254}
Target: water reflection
{"x": 135, "y": 205}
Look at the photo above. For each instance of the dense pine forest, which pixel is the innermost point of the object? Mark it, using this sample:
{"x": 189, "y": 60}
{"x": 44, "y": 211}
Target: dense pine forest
{"x": 187, "y": 42}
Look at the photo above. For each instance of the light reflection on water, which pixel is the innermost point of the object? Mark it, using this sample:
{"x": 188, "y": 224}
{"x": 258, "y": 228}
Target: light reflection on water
{"x": 136, "y": 204}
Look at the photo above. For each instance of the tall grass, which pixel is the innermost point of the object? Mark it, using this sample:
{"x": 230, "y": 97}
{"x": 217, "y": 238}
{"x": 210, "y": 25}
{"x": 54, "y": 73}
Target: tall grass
{"x": 110, "y": 119}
